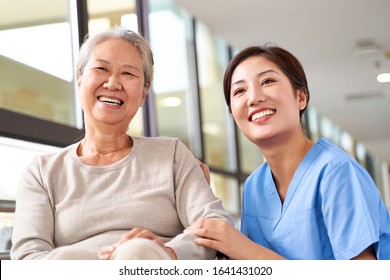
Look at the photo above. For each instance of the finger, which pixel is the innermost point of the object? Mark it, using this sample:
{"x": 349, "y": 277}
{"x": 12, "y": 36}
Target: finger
{"x": 106, "y": 252}
{"x": 205, "y": 233}
{"x": 104, "y": 256}
{"x": 206, "y": 224}
{"x": 209, "y": 243}
{"x": 151, "y": 236}
{"x": 198, "y": 224}
{"x": 129, "y": 235}
{"x": 107, "y": 249}
{"x": 145, "y": 234}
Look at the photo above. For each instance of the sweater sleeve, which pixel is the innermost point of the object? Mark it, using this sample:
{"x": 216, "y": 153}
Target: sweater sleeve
{"x": 33, "y": 231}
{"x": 194, "y": 200}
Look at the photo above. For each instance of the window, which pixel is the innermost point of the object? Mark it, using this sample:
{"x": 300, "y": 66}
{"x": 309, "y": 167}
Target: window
{"x": 37, "y": 52}
{"x": 217, "y": 125}
{"x": 37, "y": 100}
{"x": 174, "y": 98}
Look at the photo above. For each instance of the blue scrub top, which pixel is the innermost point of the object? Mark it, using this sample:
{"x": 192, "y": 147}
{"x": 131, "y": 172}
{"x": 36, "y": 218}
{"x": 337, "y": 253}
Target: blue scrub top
{"x": 332, "y": 209}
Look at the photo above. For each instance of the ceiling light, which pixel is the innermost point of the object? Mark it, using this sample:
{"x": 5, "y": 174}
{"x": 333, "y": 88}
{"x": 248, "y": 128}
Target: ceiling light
{"x": 366, "y": 47}
{"x": 383, "y": 78}
{"x": 212, "y": 129}
{"x": 171, "y": 101}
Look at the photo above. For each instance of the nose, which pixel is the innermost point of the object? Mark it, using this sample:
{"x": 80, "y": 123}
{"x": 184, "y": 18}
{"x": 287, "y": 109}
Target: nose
{"x": 255, "y": 95}
{"x": 113, "y": 83}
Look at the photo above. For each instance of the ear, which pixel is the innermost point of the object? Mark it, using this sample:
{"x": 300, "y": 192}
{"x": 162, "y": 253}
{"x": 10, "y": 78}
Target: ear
{"x": 302, "y": 99}
{"x": 78, "y": 80}
{"x": 144, "y": 95}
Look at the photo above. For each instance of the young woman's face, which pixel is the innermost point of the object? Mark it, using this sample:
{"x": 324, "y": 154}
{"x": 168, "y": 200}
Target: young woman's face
{"x": 111, "y": 86}
{"x": 263, "y": 102}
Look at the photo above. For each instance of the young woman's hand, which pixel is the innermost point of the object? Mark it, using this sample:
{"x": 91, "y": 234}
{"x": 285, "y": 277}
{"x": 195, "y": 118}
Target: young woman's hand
{"x": 225, "y": 238}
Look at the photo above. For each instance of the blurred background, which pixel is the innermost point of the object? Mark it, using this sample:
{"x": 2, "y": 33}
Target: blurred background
{"x": 343, "y": 46}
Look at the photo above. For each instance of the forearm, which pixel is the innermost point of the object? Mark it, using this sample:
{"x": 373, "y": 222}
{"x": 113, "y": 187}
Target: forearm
{"x": 33, "y": 228}
{"x": 186, "y": 249}
{"x": 258, "y": 252}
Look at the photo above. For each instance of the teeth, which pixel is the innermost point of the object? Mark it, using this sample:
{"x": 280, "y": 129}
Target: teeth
{"x": 110, "y": 100}
{"x": 262, "y": 114}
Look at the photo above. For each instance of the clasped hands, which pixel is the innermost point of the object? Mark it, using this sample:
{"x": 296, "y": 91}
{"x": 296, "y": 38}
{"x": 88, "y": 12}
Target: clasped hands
{"x": 106, "y": 252}
{"x": 215, "y": 234}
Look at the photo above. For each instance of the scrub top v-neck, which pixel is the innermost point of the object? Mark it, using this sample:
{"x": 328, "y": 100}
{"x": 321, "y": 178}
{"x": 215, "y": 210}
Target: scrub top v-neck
{"x": 316, "y": 220}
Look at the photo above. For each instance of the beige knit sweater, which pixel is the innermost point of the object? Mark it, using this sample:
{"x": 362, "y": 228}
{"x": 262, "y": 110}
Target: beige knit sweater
{"x": 158, "y": 186}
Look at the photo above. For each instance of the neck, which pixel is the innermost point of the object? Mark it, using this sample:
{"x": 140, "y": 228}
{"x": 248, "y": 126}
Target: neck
{"x": 96, "y": 149}
{"x": 284, "y": 159}
{"x": 104, "y": 145}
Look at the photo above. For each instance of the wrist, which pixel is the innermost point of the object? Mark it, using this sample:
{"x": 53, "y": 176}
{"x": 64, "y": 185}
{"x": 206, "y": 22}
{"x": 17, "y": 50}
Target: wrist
{"x": 171, "y": 253}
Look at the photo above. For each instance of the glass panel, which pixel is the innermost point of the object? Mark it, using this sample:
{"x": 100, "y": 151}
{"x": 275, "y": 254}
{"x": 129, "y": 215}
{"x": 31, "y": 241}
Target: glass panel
{"x": 312, "y": 119}
{"x": 385, "y": 183}
{"x": 168, "y": 37}
{"x": 23, "y": 152}
{"x": 13, "y": 169}
{"x": 347, "y": 143}
{"x": 6, "y": 223}
{"x": 36, "y": 51}
{"x": 104, "y": 15}
{"x": 361, "y": 154}
{"x": 212, "y": 54}
{"x": 327, "y": 128}
{"x": 227, "y": 189}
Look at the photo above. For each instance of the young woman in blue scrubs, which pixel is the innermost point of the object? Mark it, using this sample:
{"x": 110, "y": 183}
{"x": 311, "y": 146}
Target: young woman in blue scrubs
{"x": 308, "y": 200}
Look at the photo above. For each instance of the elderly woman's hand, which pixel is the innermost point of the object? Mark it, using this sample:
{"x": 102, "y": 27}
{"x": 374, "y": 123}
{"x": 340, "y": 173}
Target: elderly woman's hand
{"x": 106, "y": 252}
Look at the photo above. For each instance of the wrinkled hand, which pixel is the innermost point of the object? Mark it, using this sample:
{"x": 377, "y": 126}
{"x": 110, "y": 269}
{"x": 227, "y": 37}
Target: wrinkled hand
{"x": 106, "y": 252}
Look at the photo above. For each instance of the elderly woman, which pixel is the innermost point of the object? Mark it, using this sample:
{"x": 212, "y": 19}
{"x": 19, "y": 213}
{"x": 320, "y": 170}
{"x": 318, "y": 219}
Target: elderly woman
{"x": 111, "y": 195}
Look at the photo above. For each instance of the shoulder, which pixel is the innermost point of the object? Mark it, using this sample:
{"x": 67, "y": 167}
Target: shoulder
{"x": 51, "y": 162}
{"x": 333, "y": 162}
{"x": 60, "y": 155}
{"x": 159, "y": 145}
{"x": 328, "y": 148}
{"x": 330, "y": 156}
{"x": 155, "y": 141}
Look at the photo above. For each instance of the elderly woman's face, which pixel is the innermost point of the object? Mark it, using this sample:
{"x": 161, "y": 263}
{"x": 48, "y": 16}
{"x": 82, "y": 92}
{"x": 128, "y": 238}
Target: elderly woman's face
{"x": 111, "y": 86}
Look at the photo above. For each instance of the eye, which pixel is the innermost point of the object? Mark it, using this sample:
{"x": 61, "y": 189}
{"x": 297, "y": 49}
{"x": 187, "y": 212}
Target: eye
{"x": 266, "y": 81}
{"x": 238, "y": 91}
{"x": 101, "y": 68}
{"x": 128, "y": 74}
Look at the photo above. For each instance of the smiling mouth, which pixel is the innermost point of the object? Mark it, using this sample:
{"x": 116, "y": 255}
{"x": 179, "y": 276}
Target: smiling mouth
{"x": 262, "y": 114}
{"x": 110, "y": 100}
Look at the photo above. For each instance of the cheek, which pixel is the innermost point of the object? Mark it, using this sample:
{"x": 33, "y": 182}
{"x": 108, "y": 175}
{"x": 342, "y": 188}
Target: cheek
{"x": 135, "y": 91}
{"x": 237, "y": 109}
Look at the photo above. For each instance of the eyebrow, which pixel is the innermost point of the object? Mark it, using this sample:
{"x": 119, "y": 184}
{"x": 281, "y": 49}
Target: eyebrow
{"x": 123, "y": 65}
{"x": 257, "y": 76}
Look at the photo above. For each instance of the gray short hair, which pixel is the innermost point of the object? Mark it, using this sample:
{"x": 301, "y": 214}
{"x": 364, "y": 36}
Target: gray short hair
{"x": 122, "y": 33}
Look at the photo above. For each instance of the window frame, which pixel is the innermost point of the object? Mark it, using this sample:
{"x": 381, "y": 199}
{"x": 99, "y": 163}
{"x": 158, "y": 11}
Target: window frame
{"x": 28, "y": 128}
{"x": 23, "y": 127}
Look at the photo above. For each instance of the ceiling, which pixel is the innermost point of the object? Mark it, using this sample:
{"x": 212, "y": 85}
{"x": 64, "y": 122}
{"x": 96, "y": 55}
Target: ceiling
{"x": 342, "y": 44}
